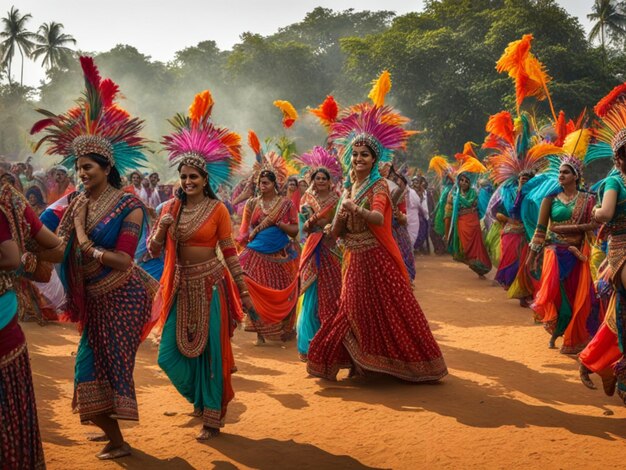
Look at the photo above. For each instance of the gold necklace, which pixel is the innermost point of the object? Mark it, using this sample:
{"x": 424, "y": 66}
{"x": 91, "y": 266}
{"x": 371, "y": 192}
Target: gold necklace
{"x": 96, "y": 208}
{"x": 265, "y": 208}
{"x": 567, "y": 199}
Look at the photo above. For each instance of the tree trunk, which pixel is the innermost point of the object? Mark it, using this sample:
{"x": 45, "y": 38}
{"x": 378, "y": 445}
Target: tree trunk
{"x": 9, "y": 67}
{"x": 22, "y": 71}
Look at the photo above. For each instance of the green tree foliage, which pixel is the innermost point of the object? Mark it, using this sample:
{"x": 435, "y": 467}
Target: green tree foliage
{"x": 51, "y": 46}
{"x": 15, "y": 38}
{"x": 442, "y": 62}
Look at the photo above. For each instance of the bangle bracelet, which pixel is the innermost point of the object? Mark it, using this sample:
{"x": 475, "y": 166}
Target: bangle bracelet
{"x": 98, "y": 254}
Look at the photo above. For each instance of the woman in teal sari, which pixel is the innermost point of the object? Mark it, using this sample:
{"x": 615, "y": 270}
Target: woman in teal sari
{"x": 464, "y": 235}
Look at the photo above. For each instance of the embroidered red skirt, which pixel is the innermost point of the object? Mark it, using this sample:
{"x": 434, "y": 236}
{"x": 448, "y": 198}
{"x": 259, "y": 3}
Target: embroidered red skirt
{"x": 379, "y": 326}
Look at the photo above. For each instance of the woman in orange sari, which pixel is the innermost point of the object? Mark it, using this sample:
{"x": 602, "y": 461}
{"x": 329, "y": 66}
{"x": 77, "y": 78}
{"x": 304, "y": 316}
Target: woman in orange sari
{"x": 199, "y": 302}
{"x": 562, "y": 301}
{"x": 320, "y": 264}
{"x": 379, "y": 326}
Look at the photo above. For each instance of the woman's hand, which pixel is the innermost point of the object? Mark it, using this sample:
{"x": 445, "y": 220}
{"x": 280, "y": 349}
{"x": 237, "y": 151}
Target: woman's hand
{"x": 348, "y": 205}
{"x": 166, "y": 221}
{"x": 80, "y": 212}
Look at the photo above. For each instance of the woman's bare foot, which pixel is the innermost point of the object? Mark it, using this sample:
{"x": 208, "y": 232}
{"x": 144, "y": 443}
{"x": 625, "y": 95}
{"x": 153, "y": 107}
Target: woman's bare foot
{"x": 583, "y": 373}
{"x": 608, "y": 384}
{"x": 260, "y": 341}
{"x": 196, "y": 413}
{"x": 109, "y": 452}
{"x": 207, "y": 433}
{"x": 97, "y": 437}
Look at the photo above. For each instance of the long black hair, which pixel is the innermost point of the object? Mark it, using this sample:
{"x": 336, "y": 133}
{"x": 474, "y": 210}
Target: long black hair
{"x": 114, "y": 178}
{"x": 208, "y": 191}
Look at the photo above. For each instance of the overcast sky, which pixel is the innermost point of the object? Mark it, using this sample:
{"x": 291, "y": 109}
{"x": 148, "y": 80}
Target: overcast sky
{"x": 159, "y": 28}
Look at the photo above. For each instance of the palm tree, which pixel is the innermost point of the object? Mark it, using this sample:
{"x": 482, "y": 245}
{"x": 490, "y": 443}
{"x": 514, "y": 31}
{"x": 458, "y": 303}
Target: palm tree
{"x": 15, "y": 36}
{"x": 609, "y": 18}
{"x": 52, "y": 45}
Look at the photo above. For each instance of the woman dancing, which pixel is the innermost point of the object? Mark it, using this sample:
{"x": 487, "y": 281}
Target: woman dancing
{"x": 108, "y": 295}
{"x": 320, "y": 264}
{"x": 20, "y": 229}
{"x": 379, "y": 326}
{"x": 270, "y": 257}
{"x": 565, "y": 290}
{"x": 604, "y": 354}
{"x": 200, "y": 301}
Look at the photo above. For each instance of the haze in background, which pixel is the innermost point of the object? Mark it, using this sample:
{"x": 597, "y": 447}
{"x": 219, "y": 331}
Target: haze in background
{"x": 159, "y": 28}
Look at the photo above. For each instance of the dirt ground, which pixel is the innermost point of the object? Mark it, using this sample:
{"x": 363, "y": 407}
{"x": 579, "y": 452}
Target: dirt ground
{"x": 509, "y": 401}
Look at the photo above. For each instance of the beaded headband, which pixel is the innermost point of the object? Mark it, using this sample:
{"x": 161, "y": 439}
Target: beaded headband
{"x": 86, "y": 144}
{"x": 619, "y": 139}
{"x": 369, "y": 140}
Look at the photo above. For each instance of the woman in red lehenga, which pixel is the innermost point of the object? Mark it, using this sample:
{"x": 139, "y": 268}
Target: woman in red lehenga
{"x": 379, "y": 326}
{"x": 270, "y": 258}
{"x": 320, "y": 264}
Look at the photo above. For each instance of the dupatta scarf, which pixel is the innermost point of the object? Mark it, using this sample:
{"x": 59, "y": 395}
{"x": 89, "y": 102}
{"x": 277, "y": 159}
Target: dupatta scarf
{"x": 79, "y": 274}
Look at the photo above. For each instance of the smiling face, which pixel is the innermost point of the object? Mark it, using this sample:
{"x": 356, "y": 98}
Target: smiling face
{"x": 192, "y": 181}
{"x": 321, "y": 182}
{"x": 90, "y": 173}
{"x": 362, "y": 159}
{"x": 154, "y": 179}
{"x": 566, "y": 175}
{"x": 135, "y": 179}
{"x": 60, "y": 176}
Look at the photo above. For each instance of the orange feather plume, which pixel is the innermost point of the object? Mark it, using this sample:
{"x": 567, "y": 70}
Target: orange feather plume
{"x": 380, "y": 88}
{"x": 200, "y": 109}
{"x": 327, "y": 111}
{"x": 254, "y": 143}
{"x": 561, "y": 129}
{"x": 527, "y": 72}
{"x": 501, "y": 125}
{"x": 606, "y": 103}
{"x": 468, "y": 152}
{"x": 439, "y": 164}
{"x": 290, "y": 115}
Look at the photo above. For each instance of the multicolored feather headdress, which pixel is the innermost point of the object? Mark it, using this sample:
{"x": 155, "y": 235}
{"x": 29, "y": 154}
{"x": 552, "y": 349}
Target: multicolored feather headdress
{"x": 375, "y": 125}
{"x": 266, "y": 161}
{"x": 95, "y": 125}
{"x": 610, "y": 133}
{"x": 197, "y": 142}
{"x": 511, "y": 141}
{"x": 319, "y": 158}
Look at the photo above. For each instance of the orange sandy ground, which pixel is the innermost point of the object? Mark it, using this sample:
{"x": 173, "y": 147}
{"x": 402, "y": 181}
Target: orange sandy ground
{"x": 509, "y": 401}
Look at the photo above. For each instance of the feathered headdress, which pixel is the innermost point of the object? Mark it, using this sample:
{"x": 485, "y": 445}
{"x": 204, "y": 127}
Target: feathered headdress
{"x": 318, "y": 158}
{"x": 610, "y": 133}
{"x": 511, "y": 141}
{"x": 95, "y": 125}
{"x": 529, "y": 75}
{"x": 197, "y": 142}
{"x": 266, "y": 161}
{"x": 380, "y": 88}
{"x": 378, "y": 128}
{"x": 326, "y": 112}
{"x": 440, "y": 166}
{"x": 290, "y": 115}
